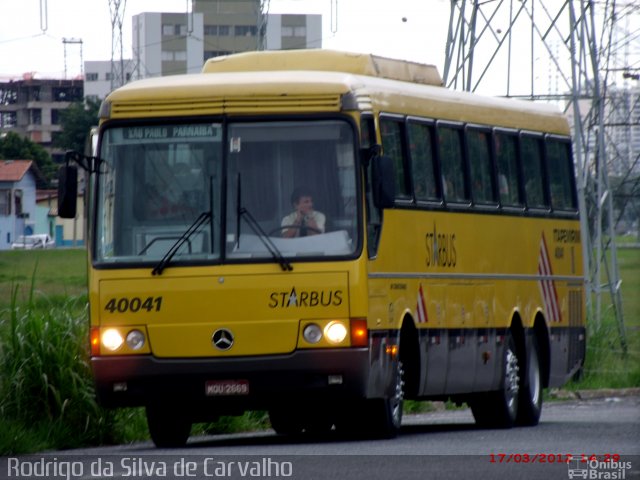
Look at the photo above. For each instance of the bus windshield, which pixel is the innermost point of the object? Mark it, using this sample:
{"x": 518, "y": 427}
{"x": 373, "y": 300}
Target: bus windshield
{"x": 291, "y": 181}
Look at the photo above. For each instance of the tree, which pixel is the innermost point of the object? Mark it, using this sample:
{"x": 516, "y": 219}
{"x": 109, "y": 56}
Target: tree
{"x": 76, "y": 122}
{"x": 15, "y": 147}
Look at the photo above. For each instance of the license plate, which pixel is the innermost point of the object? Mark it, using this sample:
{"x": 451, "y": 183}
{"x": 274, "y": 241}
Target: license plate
{"x": 220, "y": 388}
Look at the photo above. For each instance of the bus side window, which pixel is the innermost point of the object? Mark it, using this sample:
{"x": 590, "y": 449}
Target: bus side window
{"x": 452, "y": 164}
{"x": 506, "y": 151}
{"x": 560, "y": 174}
{"x": 480, "y": 165}
{"x": 392, "y": 133}
{"x": 422, "y": 162}
{"x": 532, "y": 169}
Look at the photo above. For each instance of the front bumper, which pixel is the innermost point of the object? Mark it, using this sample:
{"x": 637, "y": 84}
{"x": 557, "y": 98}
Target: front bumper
{"x": 318, "y": 375}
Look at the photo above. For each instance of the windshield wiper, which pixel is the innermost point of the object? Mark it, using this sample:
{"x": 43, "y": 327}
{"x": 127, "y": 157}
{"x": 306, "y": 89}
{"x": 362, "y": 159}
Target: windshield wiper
{"x": 193, "y": 228}
{"x": 241, "y": 211}
{"x": 285, "y": 265}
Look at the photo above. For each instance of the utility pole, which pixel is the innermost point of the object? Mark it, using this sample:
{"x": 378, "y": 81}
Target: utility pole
{"x": 117, "y": 8}
{"x": 72, "y": 41}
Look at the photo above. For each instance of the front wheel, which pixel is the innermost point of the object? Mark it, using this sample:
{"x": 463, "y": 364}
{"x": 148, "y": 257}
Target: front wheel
{"x": 386, "y": 413}
{"x": 288, "y": 420}
{"x": 167, "y": 428}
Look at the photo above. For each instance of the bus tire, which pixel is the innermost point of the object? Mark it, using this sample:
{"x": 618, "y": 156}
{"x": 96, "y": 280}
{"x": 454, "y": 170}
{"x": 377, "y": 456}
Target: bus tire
{"x": 499, "y": 409}
{"x": 292, "y": 421}
{"x": 530, "y": 392}
{"x": 385, "y": 414}
{"x": 285, "y": 421}
{"x": 166, "y": 428}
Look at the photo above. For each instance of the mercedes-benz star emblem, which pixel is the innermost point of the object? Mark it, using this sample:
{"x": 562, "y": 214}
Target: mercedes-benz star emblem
{"x": 222, "y": 339}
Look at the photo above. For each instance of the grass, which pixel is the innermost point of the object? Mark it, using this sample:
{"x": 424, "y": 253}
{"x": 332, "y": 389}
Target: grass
{"x": 46, "y": 390}
{"x": 607, "y": 365}
{"x": 61, "y": 273}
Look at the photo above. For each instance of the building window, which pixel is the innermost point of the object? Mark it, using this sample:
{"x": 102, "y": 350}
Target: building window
{"x": 166, "y": 56}
{"x": 180, "y": 30}
{"x": 66, "y": 94}
{"x": 294, "y": 31}
{"x": 215, "y": 53}
{"x": 167, "y": 29}
{"x": 17, "y": 195}
{"x": 246, "y": 30}
{"x": 8, "y": 119}
{"x": 91, "y": 77}
{"x": 211, "y": 30}
{"x": 5, "y": 202}
{"x": 180, "y": 56}
{"x": 36, "y": 116}
{"x": 34, "y": 94}
{"x": 55, "y": 116}
{"x": 224, "y": 30}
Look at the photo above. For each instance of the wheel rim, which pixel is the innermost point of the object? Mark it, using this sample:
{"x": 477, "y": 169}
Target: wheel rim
{"x": 511, "y": 378}
{"x": 396, "y": 401}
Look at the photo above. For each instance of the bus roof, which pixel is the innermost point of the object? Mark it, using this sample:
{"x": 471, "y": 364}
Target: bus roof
{"x": 326, "y": 61}
{"x": 308, "y": 81}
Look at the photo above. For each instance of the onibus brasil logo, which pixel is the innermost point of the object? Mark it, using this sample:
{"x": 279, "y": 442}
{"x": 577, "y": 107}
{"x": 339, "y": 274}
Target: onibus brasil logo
{"x": 581, "y": 467}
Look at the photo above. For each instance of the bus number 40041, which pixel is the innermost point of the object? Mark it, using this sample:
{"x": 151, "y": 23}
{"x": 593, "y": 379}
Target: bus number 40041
{"x": 134, "y": 304}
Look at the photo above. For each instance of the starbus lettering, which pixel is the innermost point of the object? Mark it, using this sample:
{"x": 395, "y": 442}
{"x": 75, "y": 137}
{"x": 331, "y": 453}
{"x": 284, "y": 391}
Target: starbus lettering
{"x": 305, "y": 298}
{"x": 441, "y": 249}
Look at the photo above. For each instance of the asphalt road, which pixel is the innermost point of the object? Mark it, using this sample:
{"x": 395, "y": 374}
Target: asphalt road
{"x": 444, "y": 444}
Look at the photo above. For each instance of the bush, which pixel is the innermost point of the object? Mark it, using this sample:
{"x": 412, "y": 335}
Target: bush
{"x": 46, "y": 389}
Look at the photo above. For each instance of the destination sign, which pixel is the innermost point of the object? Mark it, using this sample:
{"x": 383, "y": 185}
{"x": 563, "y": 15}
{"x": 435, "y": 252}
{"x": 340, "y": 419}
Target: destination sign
{"x": 172, "y": 132}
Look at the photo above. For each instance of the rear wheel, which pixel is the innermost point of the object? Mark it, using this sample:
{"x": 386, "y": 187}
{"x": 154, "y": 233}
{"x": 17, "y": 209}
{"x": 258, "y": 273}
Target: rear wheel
{"x": 499, "y": 409}
{"x": 530, "y": 393}
{"x": 167, "y": 428}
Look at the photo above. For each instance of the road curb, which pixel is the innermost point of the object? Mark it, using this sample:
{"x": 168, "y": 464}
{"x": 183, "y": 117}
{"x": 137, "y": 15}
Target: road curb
{"x": 560, "y": 394}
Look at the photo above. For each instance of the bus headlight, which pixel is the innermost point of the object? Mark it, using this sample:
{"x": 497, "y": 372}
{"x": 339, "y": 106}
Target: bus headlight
{"x": 135, "y": 339}
{"x": 312, "y": 333}
{"x": 336, "y": 332}
{"x": 112, "y": 340}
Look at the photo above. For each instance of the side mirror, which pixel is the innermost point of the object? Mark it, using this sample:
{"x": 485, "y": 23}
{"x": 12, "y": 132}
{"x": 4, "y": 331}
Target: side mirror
{"x": 383, "y": 186}
{"x": 67, "y": 191}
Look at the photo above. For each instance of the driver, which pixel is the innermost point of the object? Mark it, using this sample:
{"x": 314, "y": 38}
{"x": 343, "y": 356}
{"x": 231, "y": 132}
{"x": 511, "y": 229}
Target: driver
{"x": 304, "y": 220}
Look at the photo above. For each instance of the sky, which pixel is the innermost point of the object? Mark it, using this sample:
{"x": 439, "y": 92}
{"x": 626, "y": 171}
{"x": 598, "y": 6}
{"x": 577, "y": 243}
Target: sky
{"x": 31, "y": 41}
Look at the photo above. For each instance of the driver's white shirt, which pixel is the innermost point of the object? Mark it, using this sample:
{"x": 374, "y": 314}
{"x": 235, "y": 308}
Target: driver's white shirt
{"x": 316, "y": 216}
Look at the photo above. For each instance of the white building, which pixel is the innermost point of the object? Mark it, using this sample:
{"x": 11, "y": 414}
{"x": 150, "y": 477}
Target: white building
{"x": 176, "y": 43}
{"x": 97, "y": 77}
{"x": 290, "y": 32}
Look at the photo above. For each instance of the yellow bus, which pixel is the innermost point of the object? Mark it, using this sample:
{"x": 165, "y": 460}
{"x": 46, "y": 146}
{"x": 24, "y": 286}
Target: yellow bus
{"x": 322, "y": 235}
